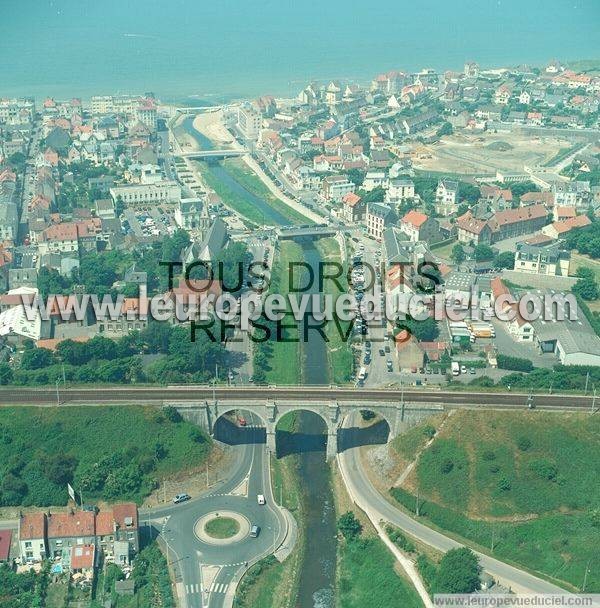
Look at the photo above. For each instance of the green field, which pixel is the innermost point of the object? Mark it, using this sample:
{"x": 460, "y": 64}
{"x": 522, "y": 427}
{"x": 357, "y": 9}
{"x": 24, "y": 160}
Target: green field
{"x": 338, "y": 348}
{"x": 247, "y": 178}
{"x": 232, "y": 199}
{"x": 367, "y": 578}
{"x": 282, "y": 358}
{"x": 110, "y": 453}
{"x": 525, "y": 483}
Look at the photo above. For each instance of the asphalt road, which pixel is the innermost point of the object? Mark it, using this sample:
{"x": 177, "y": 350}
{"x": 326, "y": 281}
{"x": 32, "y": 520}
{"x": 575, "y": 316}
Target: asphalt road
{"x": 371, "y": 501}
{"x": 161, "y": 395}
{"x": 188, "y": 555}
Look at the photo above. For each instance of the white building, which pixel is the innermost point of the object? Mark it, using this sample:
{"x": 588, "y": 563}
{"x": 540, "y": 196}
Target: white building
{"x": 249, "y": 122}
{"x": 542, "y": 259}
{"x": 399, "y": 190}
{"x": 446, "y": 197}
{"x": 374, "y": 179}
{"x": 166, "y": 191}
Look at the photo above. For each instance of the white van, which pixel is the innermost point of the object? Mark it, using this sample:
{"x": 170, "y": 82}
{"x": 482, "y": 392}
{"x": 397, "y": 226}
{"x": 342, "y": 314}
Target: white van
{"x": 261, "y": 499}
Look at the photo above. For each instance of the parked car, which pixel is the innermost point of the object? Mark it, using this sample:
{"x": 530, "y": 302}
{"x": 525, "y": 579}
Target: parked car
{"x": 181, "y": 498}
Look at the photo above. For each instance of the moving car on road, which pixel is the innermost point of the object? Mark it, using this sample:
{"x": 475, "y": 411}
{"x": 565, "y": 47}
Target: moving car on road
{"x": 261, "y": 499}
{"x": 254, "y": 531}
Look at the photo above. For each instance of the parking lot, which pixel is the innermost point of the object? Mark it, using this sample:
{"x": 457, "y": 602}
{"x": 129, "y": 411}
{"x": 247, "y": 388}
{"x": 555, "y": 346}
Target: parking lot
{"x": 148, "y": 222}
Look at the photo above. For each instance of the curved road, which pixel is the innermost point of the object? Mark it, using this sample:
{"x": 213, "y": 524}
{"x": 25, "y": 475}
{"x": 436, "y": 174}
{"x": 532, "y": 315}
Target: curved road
{"x": 368, "y": 498}
{"x": 189, "y": 556}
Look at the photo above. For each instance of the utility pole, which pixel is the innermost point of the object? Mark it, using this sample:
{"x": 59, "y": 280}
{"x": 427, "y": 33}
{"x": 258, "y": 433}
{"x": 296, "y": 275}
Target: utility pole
{"x": 587, "y": 571}
{"x": 587, "y": 381}
{"x": 57, "y": 394}
{"x": 207, "y": 475}
{"x": 64, "y": 377}
{"x": 417, "y": 504}
{"x": 594, "y": 402}
{"x": 493, "y": 537}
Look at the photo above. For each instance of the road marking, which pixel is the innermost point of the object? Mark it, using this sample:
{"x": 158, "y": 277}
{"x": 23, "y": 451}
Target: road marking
{"x": 219, "y": 587}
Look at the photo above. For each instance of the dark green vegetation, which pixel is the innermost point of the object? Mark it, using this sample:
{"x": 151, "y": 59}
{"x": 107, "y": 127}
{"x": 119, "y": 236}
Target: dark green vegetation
{"x": 102, "y": 360}
{"x": 522, "y": 486}
{"x": 458, "y": 572}
{"x": 111, "y": 453}
{"x": 560, "y": 378}
{"x": 152, "y": 583}
{"x": 366, "y": 571}
{"x": 150, "y": 573}
{"x": 514, "y": 363}
{"x": 258, "y": 584}
{"x": 22, "y": 590}
{"x": 585, "y": 240}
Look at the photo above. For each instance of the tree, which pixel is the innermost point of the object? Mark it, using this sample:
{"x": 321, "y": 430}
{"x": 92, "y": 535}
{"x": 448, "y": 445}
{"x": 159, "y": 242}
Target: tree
{"x": 469, "y": 192}
{"x": 445, "y": 129}
{"x": 458, "y": 253}
{"x": 424, "y": 331}
{"x": 349, "y": 526}
{"x": 506, "y": 259}
{"x": 586, "y": 288}
{"x": 483, "y": 253}
{"x": 458, "y": 572}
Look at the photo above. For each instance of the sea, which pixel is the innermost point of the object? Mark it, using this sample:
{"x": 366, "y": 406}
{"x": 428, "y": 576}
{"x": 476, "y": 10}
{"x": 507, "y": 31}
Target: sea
{"x": 219, "y": 49}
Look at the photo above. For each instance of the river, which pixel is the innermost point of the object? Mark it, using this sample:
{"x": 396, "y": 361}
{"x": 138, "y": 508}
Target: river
{"x": 317, "y": 577}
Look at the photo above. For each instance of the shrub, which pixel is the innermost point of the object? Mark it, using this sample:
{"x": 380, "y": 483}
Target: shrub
{"x": 514, "y": 363}
{"x": 524, "y": 443}
{"x": 349, "y": 526}
{"x": 544, "y": 469}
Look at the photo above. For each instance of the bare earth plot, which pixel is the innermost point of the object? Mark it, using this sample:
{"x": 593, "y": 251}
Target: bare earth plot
{"x": 488, "y": 152}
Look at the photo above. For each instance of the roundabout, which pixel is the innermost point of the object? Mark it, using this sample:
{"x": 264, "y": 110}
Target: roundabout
{"x": 222, "y": 528}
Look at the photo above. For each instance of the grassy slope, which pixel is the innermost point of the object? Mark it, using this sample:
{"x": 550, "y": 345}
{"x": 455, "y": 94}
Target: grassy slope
{"x": 339, "y": 351}
{"x": 481, "y": 480}
{"x": 90, "y": 433}
{"x": 285, "y": 361}
{"x": 367, "y": 574}
{"x": 368, "y": 578}
{"x": 232, "y": 199}
{"x": 249, "y": 180}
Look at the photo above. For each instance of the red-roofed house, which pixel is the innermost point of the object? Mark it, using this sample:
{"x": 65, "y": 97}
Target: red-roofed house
{"x": 353, "y": 209}
{"x": 420, "y": 227}
{"x": 32, "y": 537}
{"x": 5, "y": 542}
{"x": 537, "y": 198}
{"x": 560, "y": 214}
{"x": 559, "y": 229}
{"x": 515, "y": 222}
{"x": 518, "y": 328}
{"x": 65, "y": 530}
{"x": 83, "y": 559}
{"x": 473, "y": 230}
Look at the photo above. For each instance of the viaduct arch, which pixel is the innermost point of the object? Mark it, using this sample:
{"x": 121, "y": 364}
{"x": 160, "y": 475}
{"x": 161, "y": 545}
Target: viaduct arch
{"x": 399, "y": 416}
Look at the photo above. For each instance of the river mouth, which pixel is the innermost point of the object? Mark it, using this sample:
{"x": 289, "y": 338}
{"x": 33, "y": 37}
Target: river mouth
{"x": 309, "y": 439}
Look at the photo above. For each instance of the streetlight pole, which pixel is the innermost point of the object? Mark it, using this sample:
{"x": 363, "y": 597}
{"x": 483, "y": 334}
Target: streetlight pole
{"x": 57, "y": 394}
